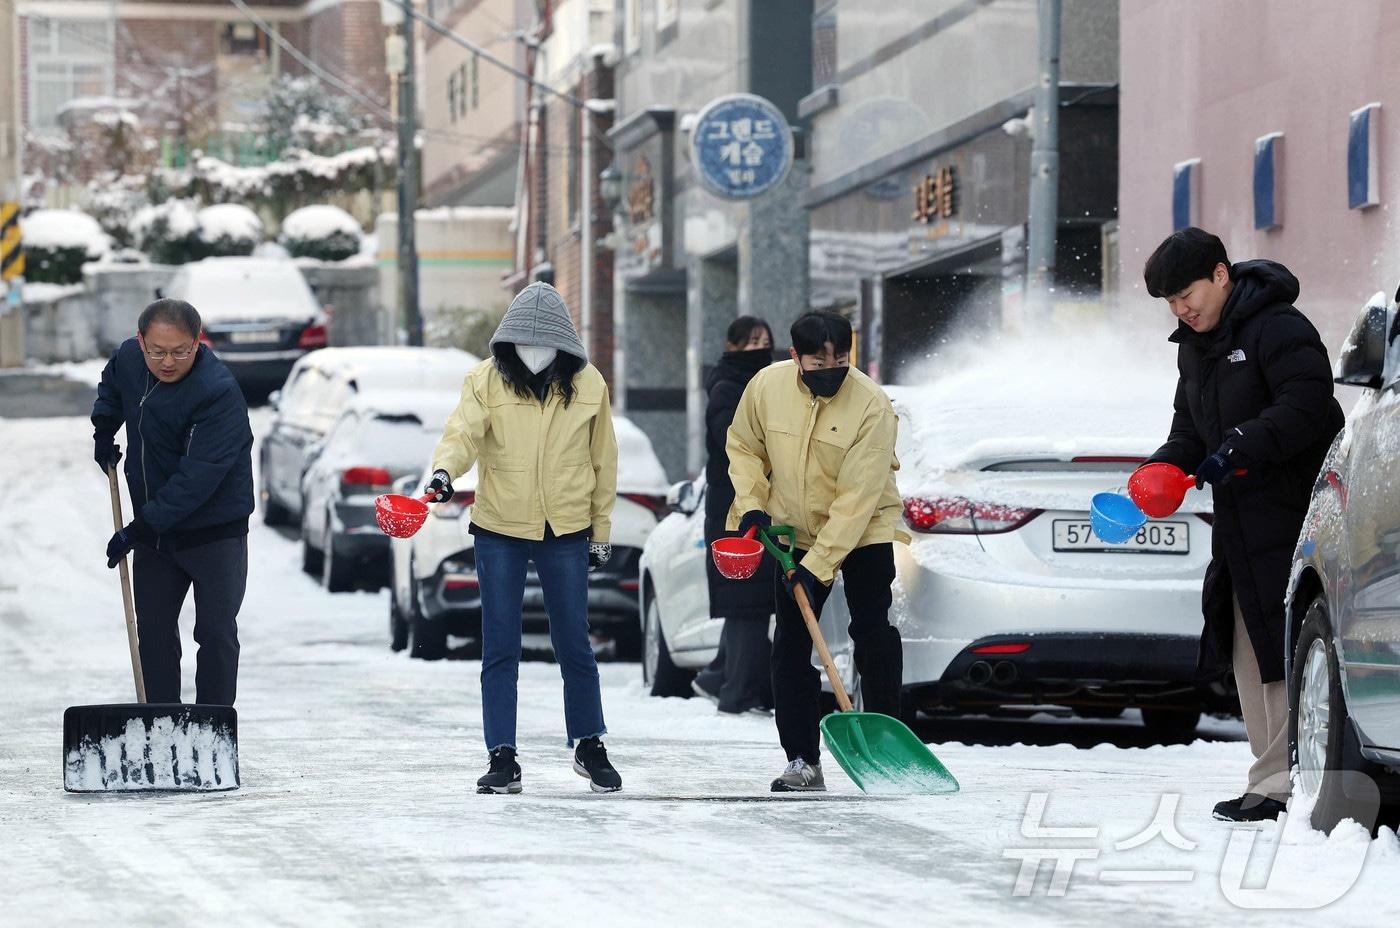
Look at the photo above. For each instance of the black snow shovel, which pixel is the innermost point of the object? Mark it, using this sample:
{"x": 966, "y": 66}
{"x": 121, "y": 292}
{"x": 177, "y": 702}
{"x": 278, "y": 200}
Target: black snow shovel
{"x": 141, "y": 746}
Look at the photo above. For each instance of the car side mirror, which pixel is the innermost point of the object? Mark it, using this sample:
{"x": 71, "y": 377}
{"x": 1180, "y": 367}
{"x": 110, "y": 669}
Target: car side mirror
{"x": 681, "y": 497}
{"x": 1362, "y": 360}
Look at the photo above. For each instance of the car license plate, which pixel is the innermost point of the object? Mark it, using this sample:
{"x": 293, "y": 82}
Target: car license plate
{"x": 255, "y": 337}
{"x": 1152, "y": 538}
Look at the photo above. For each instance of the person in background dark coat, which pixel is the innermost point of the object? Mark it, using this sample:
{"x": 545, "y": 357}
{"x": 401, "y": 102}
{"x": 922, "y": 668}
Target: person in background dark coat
{"x": 189, "y": 469}
{"x": 738, "y": 679}
{"x": 1254, "y": 418}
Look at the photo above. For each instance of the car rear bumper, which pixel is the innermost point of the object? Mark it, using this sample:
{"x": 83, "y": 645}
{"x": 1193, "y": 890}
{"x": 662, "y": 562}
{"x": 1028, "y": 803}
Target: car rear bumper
{"x": 1072, "y": 669}
{"x": 356, "y": 533}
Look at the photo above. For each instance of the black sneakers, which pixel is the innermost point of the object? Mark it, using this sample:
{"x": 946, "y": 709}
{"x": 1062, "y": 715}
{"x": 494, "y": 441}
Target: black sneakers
{"x": 1251, "y": 807}
{"x": 504, "y": 775}
{"x": 591, "y": 760}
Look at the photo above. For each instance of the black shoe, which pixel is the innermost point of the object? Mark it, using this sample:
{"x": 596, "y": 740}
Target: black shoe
{"x": 591, "y": 760}
{"x": 706, "y": 685}
{"x": 1251, "y": 807}
{"x": 504, "y": 775}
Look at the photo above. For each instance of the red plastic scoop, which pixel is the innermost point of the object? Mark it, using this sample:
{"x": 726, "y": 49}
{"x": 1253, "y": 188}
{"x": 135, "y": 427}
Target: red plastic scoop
{"x": 401, "y": 516}
{"x": 1158, "y": 489}
{"x": 737, "y": 558}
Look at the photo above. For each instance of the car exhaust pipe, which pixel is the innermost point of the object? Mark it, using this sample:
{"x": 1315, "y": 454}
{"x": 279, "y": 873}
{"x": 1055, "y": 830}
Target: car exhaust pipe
{"x": 980, "y": 673}
{"x": 1004, "y": 673}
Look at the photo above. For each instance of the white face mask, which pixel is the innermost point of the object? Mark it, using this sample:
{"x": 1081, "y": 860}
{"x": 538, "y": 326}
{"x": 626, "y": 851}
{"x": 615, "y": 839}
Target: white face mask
{"x": 534, "y": 357}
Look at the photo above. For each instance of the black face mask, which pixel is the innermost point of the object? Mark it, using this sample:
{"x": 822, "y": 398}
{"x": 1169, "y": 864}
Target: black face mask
{"x": 753, "y": 359}
{"x": 826, "y": 381}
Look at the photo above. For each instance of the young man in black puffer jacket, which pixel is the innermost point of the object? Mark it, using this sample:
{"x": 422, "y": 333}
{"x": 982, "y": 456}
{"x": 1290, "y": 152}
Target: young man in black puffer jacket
{"x": 189, "y": 470}
{"x": 1254, "y": 418}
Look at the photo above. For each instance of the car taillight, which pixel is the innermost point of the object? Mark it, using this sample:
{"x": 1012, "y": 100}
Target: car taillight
{"x": 957, "y": 516}
{"x": 1008, "y": 647}
{"x": 205, "y": 340}
{"x": 454, "y": 506}
{"x": 654, "y": 504}
{"x": 366, "y": 477}
{"x": 313, "y": 336}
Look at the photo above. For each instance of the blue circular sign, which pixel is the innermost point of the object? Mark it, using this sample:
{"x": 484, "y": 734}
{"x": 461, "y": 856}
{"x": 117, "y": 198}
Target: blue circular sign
{"x": 741, "y": 146}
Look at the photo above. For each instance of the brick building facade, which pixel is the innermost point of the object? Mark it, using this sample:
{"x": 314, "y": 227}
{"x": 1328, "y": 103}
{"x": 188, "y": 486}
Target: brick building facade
{"x": 191, "y": 66}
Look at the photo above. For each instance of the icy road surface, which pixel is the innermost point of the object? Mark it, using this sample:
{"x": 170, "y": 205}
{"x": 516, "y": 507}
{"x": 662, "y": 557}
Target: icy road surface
{"x": 358, "y": 805}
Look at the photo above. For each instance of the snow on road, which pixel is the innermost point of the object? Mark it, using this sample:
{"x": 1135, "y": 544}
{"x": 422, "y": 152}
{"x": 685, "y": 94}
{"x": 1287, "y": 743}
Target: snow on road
{"x": 359, "y": 765}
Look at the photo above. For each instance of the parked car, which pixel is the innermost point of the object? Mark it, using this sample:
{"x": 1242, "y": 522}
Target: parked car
{"x": 1005, "y": 598}
{"x": 259, "y": 316}
{"x": 435, "y": 591}
{"x": 317, "y": 389}
{"x": 1342, "y": 647}
{"x": 378, "y": 439}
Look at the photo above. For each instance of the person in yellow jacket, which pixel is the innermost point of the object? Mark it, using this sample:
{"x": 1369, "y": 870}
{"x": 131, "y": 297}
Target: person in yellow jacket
{"x": 812, "y": 446}
{"x": 536, "y": 421}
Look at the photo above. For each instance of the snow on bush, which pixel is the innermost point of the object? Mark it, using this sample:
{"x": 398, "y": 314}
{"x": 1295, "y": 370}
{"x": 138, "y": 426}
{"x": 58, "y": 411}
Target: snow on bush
{"x": 228, "y": 229}
{"x": 326, "y": 233}
{"x": 167, "y": 232}
{"x": 57, "y": 242}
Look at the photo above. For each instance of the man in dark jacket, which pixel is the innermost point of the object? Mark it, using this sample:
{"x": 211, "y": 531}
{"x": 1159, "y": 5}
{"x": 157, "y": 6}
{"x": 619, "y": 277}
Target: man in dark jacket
{"x": 738, "y": 680}
{"x": 189, "y": 470}
{"x": 1254, "y": 418}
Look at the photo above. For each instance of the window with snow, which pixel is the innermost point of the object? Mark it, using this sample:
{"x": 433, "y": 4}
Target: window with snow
{"x": 68, "y": 59}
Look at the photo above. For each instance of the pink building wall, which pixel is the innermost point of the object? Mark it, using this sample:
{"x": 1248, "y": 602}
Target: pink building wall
{"x": 1204, "y": 79}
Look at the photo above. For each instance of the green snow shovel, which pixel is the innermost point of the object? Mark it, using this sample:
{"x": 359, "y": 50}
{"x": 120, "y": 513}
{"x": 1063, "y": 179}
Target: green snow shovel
{"x": 878, "y": 752}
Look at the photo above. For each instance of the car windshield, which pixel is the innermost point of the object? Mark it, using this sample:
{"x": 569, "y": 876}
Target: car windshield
{"x": 398, "y": 442}
{"x": 243, "y": 290}
{"x": 1032, "y": 397}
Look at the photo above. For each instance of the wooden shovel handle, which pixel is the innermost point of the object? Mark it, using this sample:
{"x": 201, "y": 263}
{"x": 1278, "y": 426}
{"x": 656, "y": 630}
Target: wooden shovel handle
{"x": 132, "y": 640}
{"x": 813, "y": 629}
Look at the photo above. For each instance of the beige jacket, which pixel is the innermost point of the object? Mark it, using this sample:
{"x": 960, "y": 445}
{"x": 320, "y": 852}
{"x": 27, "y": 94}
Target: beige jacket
{"x": 825, "y": 466}
{"x": 535, "y": 463}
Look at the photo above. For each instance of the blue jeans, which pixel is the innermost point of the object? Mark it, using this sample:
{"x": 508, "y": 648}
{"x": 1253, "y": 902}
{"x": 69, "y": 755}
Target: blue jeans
{"x": 563, "y": 571}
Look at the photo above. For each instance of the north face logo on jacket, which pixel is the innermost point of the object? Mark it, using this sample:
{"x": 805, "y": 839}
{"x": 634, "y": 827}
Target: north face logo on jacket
{"x": 1236, "y": 356}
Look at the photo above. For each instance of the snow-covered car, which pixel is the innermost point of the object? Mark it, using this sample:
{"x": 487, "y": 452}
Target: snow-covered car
{"x": 434, "y": 587}
{"x": 378, "y": 439}
{"x": 317, "y": 389}
{"x": 259, "y": 315}
{"x": 1005, "y": 598}
{"x": 678, "y": 635}
{"x": 1342, "y": 645}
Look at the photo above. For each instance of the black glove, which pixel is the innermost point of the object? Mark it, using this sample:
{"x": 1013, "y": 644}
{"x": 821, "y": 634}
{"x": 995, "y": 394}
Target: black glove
{"x": 598, "y": 554}
{"x": 105, "y": 451}
{"x": 1218, "y": 469}
{"x": 122, "y": 542}
{"x": 809, "y": 583}
{"x": 755, "y": 517}
{"x": 440, "y": 486}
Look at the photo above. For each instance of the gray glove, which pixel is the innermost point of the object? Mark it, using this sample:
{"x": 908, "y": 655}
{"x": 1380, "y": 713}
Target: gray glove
{"x": 598, "y": 554}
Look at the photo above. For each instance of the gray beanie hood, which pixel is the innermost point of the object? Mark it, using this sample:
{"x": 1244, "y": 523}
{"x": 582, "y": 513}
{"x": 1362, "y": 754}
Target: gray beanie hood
{"x": 539, "y": 316}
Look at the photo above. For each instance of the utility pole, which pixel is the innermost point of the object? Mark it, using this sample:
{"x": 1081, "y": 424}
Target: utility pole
{"x": 11, "y": 248}
{"x": 1045, "y": 163}
{"x": 408, "y": 186}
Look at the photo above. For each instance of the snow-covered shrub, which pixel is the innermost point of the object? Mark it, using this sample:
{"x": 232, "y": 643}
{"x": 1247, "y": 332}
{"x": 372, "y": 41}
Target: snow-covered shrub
{"x": 168, "y": 232}
{"x": 113, "y": 202}
{"x": 57, "y": 242}
{"x": 327, "y": 233}
{"x": 228, "y": 229}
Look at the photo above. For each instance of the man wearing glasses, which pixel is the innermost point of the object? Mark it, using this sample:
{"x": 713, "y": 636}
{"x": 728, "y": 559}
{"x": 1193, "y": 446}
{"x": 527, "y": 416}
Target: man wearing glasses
{"x": 189, "y": 470}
